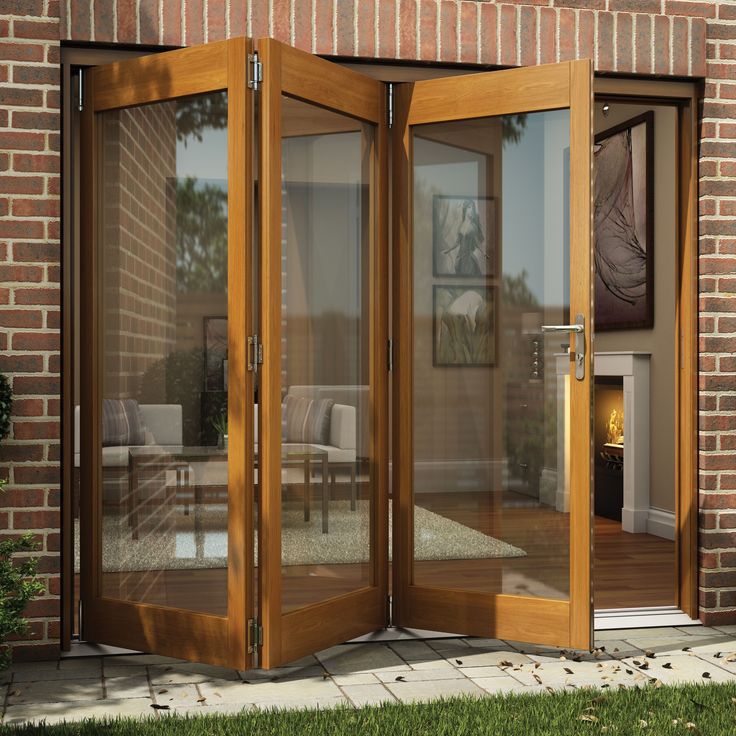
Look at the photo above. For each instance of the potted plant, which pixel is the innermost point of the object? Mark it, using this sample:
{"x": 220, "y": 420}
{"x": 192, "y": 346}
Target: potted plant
{"x": 219, "y": 424}
{"x": 18, "y": 583}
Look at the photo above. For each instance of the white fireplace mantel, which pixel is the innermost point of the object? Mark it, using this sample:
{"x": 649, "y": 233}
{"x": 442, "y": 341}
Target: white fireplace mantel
{"x": 633, "y": 368}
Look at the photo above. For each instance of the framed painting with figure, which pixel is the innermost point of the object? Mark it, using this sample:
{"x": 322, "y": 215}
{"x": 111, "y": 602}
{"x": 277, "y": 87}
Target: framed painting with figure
{"x": 624, "y": 225}
{"x": 464, "y": 325}
{"x": 463, "y": 235}
{"x": 215, "y": 353}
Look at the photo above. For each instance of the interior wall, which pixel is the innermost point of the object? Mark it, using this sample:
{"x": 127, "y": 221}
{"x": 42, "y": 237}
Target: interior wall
{"x": 660, "y": 340}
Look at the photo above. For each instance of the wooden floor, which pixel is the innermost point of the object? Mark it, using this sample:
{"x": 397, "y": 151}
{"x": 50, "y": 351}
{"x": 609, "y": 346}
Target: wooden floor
{"x": 630, "y": 570}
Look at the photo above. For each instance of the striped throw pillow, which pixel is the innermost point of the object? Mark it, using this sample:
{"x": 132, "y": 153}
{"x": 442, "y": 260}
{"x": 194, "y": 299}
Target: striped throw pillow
{"x": 307, "y": 420}
{"x": 122, "y": 423}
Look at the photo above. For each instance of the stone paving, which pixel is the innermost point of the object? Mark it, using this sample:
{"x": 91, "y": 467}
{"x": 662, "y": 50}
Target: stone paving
{"x": 357, "y": 674}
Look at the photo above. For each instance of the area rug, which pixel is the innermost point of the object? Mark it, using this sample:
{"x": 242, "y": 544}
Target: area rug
{"x": 197, "y": 541}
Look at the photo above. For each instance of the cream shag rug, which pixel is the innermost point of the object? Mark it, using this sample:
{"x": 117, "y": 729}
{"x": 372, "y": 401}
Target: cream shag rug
{"x": 175, "y": 541}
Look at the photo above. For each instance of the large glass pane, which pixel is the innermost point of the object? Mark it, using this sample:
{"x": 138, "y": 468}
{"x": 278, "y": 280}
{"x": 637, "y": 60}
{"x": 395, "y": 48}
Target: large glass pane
{"x": 327, "y": 484}
{"x": 491, "y": 260}
{"x": 163, "y": 245}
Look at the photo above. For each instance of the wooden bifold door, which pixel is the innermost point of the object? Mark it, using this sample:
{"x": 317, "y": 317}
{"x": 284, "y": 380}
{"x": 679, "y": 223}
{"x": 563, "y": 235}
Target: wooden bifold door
{"x": 236, "y": 474}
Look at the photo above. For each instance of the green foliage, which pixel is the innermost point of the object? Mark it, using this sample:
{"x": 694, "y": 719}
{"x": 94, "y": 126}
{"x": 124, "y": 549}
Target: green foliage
{"x": 18, "y": 585}
{"x": 6, "y": 406}
{"x": 659, "y": 711}
{"x": 512, "y": 127}
{"x": 202, "y": 111}
{"x": 219, "y": 423}
{"x": 177, "y": 379}
{"x": 201, "y": 237}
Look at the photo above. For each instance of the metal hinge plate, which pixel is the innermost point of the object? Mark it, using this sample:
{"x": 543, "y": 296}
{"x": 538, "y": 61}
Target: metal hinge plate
{"x": 255, "y": 71}
{"x": 255, "y": 635}
{"x": 390, "y": 105}
{"x": 80, "y": 90}
{"x": 255, "y": 353}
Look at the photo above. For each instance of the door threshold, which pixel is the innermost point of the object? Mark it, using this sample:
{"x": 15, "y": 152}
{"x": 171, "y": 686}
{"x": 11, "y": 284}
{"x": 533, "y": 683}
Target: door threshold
{"x": 641, "y": 618}
{"x": 88, "y": 649}
{"x": 394, "y": 633}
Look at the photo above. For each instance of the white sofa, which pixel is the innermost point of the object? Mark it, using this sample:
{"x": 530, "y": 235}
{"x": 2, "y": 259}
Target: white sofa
{"x": 164, "y": 425}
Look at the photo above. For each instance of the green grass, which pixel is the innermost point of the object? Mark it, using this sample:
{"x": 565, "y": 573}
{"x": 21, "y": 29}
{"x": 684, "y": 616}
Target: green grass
{"x": 709, "y": 710}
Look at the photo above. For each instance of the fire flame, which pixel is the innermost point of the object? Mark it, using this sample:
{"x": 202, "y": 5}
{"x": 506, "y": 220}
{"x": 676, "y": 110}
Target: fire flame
{"x": 615, "y": 428}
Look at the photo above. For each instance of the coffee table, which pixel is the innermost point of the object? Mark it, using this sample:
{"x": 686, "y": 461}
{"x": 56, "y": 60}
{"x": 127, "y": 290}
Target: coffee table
{"x": 151, "y": 459}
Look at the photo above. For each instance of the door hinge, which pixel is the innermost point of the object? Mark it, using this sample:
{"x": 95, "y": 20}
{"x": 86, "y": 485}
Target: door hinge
{"x": 390, "y": 355}
{"x": 255, "y": 635}
{"x": 255, "y": 71}
{"x": 390, "y": 105}
{"x": 255, "y": 353}
{"x": 80, "y": 90}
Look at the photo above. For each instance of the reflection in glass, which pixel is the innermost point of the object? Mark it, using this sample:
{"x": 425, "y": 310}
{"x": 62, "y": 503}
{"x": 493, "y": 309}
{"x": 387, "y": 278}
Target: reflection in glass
{"x": 327, "y": 487}
{"x": 491, "y": 261}
{"x": 163, "y": 247}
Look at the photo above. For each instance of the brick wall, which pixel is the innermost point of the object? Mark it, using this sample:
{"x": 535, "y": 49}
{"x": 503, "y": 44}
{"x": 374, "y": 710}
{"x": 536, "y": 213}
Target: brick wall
{"x": 29, "y": 291}
{"x": 664, "y": 37}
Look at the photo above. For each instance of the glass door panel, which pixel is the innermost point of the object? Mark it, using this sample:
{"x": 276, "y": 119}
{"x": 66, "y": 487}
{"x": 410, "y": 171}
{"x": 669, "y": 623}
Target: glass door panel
{"x": 491, "y": 483}
{"x": 166, "y": 414}
{"x": 322, "y": 567}
{"x": 327, "y": 472}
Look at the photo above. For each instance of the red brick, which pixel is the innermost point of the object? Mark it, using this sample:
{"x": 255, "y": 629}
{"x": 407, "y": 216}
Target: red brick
{"x": 35, "y": 431}
{"x": 21, "y": 363}
{"x": 567, "y": 50}
{"x": 37, "y": 296}
{"x": 344, "y": 29}
{"x": 171, "y": 23}
{"x": 21, "y": 184}
{"x": 35, "y": 386}
{"x": 29, "y": 407}
{"x": 35, "y": 652}
{"x": 23, "y": 7}
{"x": 303, "y": 29}
{"x": 488, "y": 37}
{"x": 324, "y": 25}
{"x": 469, "y": 32}
{"x": 727, "y": 12}
{"x": 528, "y": 37}
{"x": 148, "y": 27}
{"x": 366, "y": 41}
{"x": 104, "y": 21}
{"x": 79, "y": 19}
{"x": 126, "y": 21}
{"x": 508, "y": 51}
{"x": 624, "y": 43}
{"x": 35, "y": 341}
{"x": 46, "y": 607}
{"x": 20, "y": 317}
{"x": 20, "y": 453}
{"x": 238, "y": 20}
{"x": 683, "y": 7}
{"x": 26, "y": 498}
{"x": 605, "y": 60}
{"x": 21, "y": 51}
{"x": 427, "y": 30}
{"x": 216, "y": 15}
{"x": 448, "y": 30}
{"x": 661, "y": 45}
{"x": 636, "y": 6}
{"x": 36, "y": 207}
{"x": 19, "y": 97}
{"x": 194, "y": 11}
{"x": 586, "y": 34}
{"x": 21, "y": 229}
{"x": 36, "y": 29}
{"x": 547, "y": 36}
{"x": 11, "y": 140}
{"x": 281, "y": 22}
{"x": 36, "y": 475}
{"x": 36, "y": 75}
{"x": 36, "y": 120}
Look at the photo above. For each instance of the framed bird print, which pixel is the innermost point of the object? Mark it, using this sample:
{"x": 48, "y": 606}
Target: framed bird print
{"x": 463, "y": 236}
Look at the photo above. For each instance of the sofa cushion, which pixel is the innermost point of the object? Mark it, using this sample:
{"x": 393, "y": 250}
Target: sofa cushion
{"x": 122, "y": 423}
{"x": 307, "y": 420}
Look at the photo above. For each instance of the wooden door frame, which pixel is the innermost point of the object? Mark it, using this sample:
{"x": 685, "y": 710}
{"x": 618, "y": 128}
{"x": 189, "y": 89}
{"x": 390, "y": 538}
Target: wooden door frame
{"x": 288, "y": 636}
{"x": 685, "y": 97}
{"x": 554, "y": 86}
{"x": 176, "y": 632}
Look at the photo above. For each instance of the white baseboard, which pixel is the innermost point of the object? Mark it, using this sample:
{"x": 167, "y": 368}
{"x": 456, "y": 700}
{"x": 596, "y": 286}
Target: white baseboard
{"x": 661, "y": 523}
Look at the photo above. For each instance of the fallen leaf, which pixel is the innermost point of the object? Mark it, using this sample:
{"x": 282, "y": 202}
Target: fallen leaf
{"x": 687, "y": 649}
{"x": 459, "y": 661}
{"x": 605, "y": 685}
{"x": 718, "y": 655}
{"x": 161, "y": 692}
{"x": 589, "y": 718}
{"x": 568, "y": 670}
{"x": 616, "y": 650}
{"x": 629, "y": 672}
{"x": 201, "y": 700}
{"x": 667, "y": 666}
{"x": 650, "y": 654}
{"x": 658, "y": 683}
{"x": 637, "y": 662}
{"x": 537, "y": 665}
{"x": 706, "y": 675}
{"x": 156, "y": 706}
{"x": 505, "y": 663}
{"x": 643, "y": 723}
{"x": 731, "y": 657}
{"x": 644, "y": 666}
{"x": 577, "y": 658}
{"x": 400, "y": 679}
{"x": 538, "y": 678}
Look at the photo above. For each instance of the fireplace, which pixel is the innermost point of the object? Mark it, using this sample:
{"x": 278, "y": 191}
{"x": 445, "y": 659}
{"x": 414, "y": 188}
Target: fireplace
{"x": 608, "y": 438}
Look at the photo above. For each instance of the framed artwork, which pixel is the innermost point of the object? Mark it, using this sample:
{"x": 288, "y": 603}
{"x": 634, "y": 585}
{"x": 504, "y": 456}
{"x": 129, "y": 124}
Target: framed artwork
{"x": 463, "y": 236}
{"x": 215, "y": 353}
{"x": 464, "y": 325}
{"x": 624, "y": 225}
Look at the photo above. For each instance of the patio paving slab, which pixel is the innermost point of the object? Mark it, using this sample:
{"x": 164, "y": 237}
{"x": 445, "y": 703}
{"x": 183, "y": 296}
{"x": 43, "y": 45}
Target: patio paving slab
{"x": 358, "y": 674}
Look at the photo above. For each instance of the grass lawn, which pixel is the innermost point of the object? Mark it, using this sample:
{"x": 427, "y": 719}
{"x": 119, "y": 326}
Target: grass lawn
{"x": 709, "y": 710}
